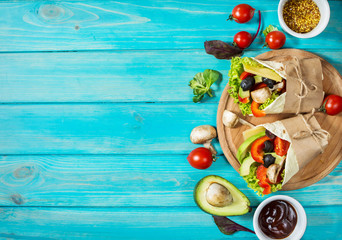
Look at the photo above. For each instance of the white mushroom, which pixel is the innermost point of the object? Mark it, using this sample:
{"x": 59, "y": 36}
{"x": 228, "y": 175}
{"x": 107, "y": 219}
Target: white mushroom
{"x": 273, "y": 171}
{"x": 230, "y": 119}
{"x": 204, "y": 134}
{"x": 278, "y": 85}
{"x": 261, "y": 95}
{"x": 219, "y": 196}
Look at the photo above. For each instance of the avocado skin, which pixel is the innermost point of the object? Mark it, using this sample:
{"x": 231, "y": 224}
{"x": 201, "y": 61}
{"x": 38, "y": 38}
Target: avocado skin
{"x": 242, "y": 150}
{"x": 229, "y": 186}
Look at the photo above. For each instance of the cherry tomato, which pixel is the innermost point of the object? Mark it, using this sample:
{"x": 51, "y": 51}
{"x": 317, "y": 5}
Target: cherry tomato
{"x": 200, "y": 158}
{"x": 244, "y": 75}
{"x": 281, "y": 146}
{"x": 332, "y": 105}
{"x": 257, "y": 149}
{"x": 275, "y": 39}
{"x": 256, "y": 111}
{"x": 243, "y": 39}
{"x": 242, "y": 13}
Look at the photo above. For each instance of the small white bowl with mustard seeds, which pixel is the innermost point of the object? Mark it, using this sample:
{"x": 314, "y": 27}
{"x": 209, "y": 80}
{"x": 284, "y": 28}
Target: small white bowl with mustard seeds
{"x": 303, "y": 18}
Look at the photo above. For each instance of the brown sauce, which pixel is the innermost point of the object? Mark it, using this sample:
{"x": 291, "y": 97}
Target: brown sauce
{"x": 278, "y": 219}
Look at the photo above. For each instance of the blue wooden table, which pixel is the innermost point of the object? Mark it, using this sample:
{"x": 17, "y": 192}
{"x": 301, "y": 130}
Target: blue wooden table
{"x": 96, "y": 113}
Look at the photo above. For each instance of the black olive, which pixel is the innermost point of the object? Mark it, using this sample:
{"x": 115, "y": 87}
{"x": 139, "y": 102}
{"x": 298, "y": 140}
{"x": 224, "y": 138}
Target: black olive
{"x": 270, "y": 135}
{"x": 247, "y": 83}
{"x": 269, "y": 82}
{"x": 250, "y": 79}
{"x": 268, "y": 146}
{"x": 268, "y": 160}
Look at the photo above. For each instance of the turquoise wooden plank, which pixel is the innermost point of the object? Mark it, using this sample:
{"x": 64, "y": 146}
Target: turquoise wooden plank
{"x": 128, "y": 181}
{"x": 120, "y": 76}
{"x": 103, "y": 128}
{"x": 57, "y": 25}
{"x": 143, "y": 223}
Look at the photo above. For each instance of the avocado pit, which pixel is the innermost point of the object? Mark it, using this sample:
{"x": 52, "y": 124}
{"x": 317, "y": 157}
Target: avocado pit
{"x": 218, "y": 195}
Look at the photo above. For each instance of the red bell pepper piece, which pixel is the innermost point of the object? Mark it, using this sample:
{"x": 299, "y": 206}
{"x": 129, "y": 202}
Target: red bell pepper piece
{"x": 257, "y": 149}
{"x": 244, "y": 100}
{"x": 261, "y": 174}
{"x": 244, "y": 75}
{"x": 256, "y": 111}
{"x": 281, "y": 146}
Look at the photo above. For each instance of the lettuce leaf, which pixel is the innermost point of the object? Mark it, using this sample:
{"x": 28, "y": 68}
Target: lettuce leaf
{"x": 228, "y": 227}
{"x": 269, "y": 29}
{"x": 236, "y": 69}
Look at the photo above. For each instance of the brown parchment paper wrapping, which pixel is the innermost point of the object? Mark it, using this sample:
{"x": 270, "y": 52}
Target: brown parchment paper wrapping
{"x": 308, "y": 139}
{"x": 304, "y": 87}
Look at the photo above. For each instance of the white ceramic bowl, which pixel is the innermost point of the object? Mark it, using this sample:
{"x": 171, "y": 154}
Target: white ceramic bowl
{"x": 324, "y": 9}
{"x": 299, "y": 230}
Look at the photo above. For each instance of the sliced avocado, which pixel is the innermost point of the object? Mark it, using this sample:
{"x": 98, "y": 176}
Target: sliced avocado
{"x": 246, "y": 165}
{"x": 244, "y": 147}
{"x": 258, "y": 79}
{"x": 243, "y": 94}
{"x": 253, "y": 131}
{"x": 278, "y": 159}
{"x": 263, "y": 72}
{"x": 217, "y": 196}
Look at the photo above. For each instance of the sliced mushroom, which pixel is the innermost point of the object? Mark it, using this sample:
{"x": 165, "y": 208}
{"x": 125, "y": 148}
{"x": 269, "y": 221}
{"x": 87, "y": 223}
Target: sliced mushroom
{"x": 230, "y": 119}
{"x": 273, "y": 171}
{"x": 219, "y": 196}
{"x": 204, "y": 134}
{"x": 278, "y": 85}
{"x": 261, "y": 95}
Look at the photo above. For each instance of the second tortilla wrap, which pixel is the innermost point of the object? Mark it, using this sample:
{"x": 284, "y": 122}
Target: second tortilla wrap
{"x": 304, "y": 87}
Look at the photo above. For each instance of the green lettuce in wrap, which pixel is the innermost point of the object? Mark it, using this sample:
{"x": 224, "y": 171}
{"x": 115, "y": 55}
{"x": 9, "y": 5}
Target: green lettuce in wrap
{"x": 244, "y": 97}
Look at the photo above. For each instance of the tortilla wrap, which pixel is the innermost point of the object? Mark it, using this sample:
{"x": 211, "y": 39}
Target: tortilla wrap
{"x": 307, "y": 140}
{"x": 304, "y": 87}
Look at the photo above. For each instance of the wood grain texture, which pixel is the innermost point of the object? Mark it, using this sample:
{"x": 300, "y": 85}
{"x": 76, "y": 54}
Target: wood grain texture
{"x": 55, "y": 26}
{"x": 124, "y": 174}
{"x": 143, "y": 223}
{"x": 128, "y": 181}
{"x": 101, "y": 128}
{"x": 125, "y": 76}
{"x": 319, "y": 167}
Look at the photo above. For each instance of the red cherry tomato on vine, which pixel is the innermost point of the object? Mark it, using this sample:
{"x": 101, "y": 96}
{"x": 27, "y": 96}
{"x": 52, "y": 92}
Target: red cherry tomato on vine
{"x": 275, "y": 39}
{"x": 200, "y": 158}
{"x": 332, "y": 105}
{"x": 243, "y": 39}
{"x": 242, "y": 13}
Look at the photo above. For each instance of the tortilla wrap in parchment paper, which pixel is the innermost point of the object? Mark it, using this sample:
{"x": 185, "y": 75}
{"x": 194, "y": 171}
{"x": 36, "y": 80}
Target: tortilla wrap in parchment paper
{"x": 307, "y": 140}
{"x": 304, "y": 87}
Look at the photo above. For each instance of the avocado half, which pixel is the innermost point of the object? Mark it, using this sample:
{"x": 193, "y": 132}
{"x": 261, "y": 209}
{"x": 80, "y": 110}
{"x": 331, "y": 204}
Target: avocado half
{"x": 225, "y": 198}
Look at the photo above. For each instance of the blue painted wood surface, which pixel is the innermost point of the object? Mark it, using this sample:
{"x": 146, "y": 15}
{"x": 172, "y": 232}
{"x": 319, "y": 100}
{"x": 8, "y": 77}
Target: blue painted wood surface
{"x": 95, "y": 117}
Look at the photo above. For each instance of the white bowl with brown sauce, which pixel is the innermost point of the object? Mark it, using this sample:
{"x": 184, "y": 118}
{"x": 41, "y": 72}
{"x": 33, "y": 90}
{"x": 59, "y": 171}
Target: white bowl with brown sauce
{"x": 293, "y": 21}
{"x": 272, "y": 221}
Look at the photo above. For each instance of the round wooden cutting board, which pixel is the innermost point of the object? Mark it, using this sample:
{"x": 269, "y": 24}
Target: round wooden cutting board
{"x": 231, "y": 138}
